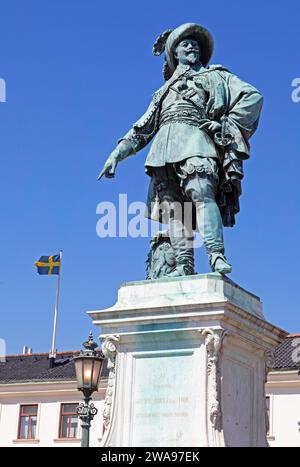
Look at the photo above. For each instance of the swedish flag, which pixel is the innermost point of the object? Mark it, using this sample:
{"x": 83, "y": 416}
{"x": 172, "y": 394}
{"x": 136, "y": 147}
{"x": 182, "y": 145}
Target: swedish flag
{"x": 48, "y": 265}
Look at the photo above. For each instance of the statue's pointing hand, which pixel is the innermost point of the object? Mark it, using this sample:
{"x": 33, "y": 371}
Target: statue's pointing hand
{"x": 122, "y": 151}
{"x": 110, "y": 166}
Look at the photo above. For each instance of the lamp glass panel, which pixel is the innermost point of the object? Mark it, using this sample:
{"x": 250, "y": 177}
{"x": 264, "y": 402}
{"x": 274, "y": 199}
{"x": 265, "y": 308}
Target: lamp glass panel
{"x": 79, "y": 373}
{"x": 87, "y": 372}
{"x": 96, "y": 373}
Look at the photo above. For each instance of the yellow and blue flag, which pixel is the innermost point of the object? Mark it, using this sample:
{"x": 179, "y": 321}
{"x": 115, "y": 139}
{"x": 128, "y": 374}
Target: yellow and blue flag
{"x": 49, "y": 265}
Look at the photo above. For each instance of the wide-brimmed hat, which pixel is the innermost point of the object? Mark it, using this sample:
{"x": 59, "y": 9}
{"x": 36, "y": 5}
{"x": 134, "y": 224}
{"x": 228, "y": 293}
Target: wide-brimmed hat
{"x": 169, "y": 39}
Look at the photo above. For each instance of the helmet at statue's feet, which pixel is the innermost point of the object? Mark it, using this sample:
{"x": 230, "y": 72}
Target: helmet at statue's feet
{"x": 181, "y": 271}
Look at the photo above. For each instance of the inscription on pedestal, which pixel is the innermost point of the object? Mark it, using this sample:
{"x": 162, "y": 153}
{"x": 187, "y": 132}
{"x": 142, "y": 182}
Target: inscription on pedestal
{"x": 164, "y": 402}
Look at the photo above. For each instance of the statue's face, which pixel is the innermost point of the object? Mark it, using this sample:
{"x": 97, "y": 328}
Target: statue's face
{"x": 188, "y": 51}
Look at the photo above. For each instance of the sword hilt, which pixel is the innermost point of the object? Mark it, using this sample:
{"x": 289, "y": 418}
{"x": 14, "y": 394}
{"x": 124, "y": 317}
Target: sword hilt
{"x": 223, "y": 138}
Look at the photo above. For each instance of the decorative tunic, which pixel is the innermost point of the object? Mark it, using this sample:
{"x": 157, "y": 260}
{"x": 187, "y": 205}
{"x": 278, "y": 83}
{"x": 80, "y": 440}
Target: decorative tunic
{"x": 180, "y": 136}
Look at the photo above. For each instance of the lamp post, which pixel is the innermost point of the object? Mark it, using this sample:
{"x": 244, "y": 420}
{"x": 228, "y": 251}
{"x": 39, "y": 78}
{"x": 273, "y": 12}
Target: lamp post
{"x": 88, "y": 368}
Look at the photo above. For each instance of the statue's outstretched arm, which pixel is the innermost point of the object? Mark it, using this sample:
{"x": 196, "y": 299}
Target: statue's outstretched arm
{"x": 136, "y": 139}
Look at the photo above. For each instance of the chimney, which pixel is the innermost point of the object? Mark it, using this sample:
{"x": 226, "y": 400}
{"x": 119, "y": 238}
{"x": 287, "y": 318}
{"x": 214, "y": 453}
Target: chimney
{"x": 27, "y": 350}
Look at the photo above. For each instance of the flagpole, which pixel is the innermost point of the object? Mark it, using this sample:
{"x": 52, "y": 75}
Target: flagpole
{"x": 52, "y": 354}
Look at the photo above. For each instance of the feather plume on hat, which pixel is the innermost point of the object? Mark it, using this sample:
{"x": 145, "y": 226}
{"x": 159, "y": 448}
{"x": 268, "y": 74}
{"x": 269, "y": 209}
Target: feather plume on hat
{"x": 159, "y": 48}
{"x": 160, "y": 43}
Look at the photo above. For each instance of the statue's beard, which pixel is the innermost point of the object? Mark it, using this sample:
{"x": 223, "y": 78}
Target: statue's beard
{"x": 192, "y": 58}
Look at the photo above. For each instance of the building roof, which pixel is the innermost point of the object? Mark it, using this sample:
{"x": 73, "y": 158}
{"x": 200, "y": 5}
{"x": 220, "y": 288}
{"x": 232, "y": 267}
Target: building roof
{"x": 36, "y": 368}
{"x": 287, "y": 355}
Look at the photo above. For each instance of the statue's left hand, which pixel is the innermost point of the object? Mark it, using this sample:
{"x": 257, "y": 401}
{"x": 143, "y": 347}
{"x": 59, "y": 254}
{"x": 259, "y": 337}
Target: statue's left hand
{"x": 214, "y": 127}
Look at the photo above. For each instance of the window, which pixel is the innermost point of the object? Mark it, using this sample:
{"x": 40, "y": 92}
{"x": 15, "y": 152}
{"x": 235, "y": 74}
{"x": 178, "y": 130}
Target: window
{"x": 27, "y": 421}
{"x": 68, "y": 421}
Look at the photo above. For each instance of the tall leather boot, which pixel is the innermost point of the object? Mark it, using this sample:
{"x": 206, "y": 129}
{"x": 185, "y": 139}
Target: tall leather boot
{"x": 201, "y": 191}
{"x": 182, "y": 243}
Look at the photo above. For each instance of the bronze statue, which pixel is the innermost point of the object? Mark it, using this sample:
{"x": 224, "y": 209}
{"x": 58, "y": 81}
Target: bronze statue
{"x": 201, "y": 120}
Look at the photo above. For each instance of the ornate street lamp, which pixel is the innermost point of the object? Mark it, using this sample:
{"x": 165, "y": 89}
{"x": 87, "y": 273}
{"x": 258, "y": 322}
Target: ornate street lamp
{"x": 88, "y": 369}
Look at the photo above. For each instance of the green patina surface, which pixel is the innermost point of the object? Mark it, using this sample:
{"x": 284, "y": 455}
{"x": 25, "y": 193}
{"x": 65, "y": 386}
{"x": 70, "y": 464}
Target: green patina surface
{"x": 215, "y": 276}
{"x": 200, "y": 123}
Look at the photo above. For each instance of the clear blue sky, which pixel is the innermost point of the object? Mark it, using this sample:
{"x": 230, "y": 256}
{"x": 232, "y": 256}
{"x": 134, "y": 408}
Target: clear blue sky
{"x": 78, "y": 74}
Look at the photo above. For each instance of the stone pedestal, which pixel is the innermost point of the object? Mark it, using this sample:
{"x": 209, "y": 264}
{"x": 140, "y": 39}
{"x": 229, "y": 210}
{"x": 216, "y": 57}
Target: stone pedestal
{"x": 187, "y": 362}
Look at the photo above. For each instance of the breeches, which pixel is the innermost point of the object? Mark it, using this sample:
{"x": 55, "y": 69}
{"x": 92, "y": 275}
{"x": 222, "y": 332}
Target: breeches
{"x": 187, "y": 193}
